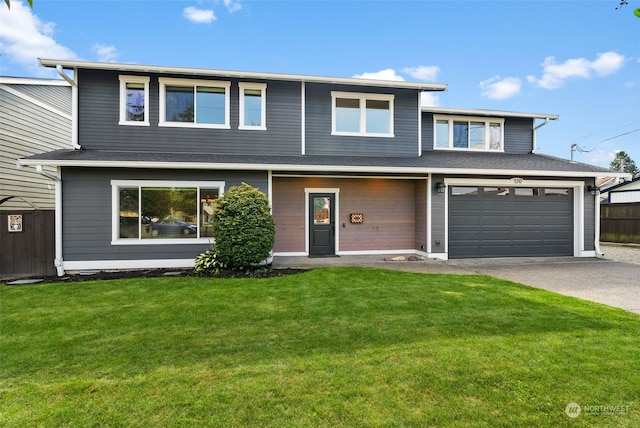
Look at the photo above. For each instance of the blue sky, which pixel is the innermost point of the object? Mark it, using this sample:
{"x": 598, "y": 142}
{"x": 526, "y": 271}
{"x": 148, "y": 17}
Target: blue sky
{"x": 577, "y": 59}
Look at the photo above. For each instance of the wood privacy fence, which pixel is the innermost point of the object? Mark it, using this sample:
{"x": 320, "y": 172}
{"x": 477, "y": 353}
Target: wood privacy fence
{"x": 620, "y": 223}
{"x": 30, "y": 251}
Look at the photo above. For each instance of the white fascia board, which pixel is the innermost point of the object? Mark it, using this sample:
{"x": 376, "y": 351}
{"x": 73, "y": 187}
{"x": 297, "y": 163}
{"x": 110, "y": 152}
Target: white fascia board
{"x": 488, "y": 113}
{"x": 316, "y": 168}
{"x": 70, "y": 64}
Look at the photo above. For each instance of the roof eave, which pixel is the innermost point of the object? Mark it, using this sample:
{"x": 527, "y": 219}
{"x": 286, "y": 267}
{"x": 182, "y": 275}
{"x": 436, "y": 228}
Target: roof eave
{"x": 317, "y": 168}
{"x": 488, "y": 113}
{"x": 140, "y": 68}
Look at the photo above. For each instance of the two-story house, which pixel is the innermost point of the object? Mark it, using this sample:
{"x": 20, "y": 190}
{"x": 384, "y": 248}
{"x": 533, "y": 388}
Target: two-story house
{"x": 351, "y": 166}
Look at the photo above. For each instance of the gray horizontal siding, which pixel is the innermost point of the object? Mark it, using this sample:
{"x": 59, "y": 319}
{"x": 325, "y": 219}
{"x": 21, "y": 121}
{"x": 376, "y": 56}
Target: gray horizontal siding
{"x": 318, "y": 138}
{"x": 58, "y": 97}
{"x": 28, "y": 129}
{"x": 99, "y": 105}
{"x": 87, "y": 212}
{"x": 518, "y": 134}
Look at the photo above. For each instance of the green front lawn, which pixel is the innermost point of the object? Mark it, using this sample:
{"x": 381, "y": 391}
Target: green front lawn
{"x": 330, "y": 347}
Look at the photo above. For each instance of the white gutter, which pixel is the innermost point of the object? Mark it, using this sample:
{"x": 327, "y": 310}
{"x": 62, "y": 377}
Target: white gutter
{"x": 58, "y": 216}
{"x": 74, "y": 105}
{"x": 112, "y": 66}
{"x": 535, "y": 142}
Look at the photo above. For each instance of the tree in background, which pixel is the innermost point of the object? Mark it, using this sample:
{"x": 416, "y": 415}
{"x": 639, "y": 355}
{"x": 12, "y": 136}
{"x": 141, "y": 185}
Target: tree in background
{"x": 8, "y": 3}
{"x": 636, "y": 12}
{"x": 622, "y": 162}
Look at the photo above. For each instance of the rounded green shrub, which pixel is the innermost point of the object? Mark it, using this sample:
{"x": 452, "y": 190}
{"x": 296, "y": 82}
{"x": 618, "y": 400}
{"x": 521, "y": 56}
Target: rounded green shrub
{"x": 243, "y": 227}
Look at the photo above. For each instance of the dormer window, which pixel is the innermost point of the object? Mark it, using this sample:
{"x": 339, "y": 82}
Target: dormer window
{"x": 468, "y": 133}
{"x": 369, "y": 115}
{"x": 134, "y": 100}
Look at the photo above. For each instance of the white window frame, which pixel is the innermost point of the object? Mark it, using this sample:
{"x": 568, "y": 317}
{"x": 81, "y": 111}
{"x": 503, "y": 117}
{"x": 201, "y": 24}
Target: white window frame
{"x": 116, "y": 185}
{"x": 486, "y": 120}
{"x": 262, "y": 87}
{"x": 123, "y": 100}
{"x": 362, "y": 97}
{"x": 170, "y": 81}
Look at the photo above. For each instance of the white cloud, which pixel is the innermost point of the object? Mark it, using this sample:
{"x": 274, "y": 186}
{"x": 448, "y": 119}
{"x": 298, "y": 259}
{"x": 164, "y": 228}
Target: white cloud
{"x": 423, "y": 72}
{"x": 199, "y": 16}
{"x": 232, "y": 5}
{"x": 554, "y": 75}
{"x": 498, "y": 88}
{"x": 386, "y": 74}
{"x": 429, "y": 99}
{"x": 24, "y": 38}
{"x": 106, "y": 53}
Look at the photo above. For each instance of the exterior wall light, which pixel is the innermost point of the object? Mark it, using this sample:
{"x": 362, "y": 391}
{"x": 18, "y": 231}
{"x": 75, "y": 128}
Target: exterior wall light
{"x": 593, "y": 189}
{"x": 441, "y": 187}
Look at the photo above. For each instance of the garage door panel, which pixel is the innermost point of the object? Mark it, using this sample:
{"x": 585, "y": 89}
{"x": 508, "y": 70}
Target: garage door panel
{"x": 488, "y": 225}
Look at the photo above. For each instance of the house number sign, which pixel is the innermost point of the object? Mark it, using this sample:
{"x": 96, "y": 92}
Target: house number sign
{"x": 15, "y": 222}
{"x": 517, "y": 180}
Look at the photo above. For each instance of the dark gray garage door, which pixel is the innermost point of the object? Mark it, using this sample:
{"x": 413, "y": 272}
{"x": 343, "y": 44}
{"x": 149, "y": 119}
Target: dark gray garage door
{"x": 510, "y": 222}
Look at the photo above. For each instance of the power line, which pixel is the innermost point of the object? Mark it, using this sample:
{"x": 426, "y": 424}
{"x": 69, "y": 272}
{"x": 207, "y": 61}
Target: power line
{"x": 575, "y": 146}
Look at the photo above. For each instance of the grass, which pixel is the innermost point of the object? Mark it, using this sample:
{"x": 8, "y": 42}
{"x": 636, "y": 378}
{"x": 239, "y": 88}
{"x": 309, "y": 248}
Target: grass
{"x": 331, "y": 347}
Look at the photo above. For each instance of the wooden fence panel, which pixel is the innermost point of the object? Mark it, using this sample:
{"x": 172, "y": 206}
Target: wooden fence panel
{"x": 620, "y": 223}
{"x": 30, "y": 252}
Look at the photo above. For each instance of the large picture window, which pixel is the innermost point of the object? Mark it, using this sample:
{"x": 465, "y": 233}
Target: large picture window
{"x": 134, "y": 100}
{"x": 156, "y": 211}
{"x": 362, "y": 114}
{"x": 194, "y": 103}
{"x": 462, "y": 133}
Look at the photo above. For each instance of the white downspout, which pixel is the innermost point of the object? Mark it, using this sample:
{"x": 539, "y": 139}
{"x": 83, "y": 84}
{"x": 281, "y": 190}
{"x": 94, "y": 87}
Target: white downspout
{"x": 535, "y": 139}
{"x": 596, "y": 238}
{"x": 74, "y": 105}
{"x": 58, "y": 216}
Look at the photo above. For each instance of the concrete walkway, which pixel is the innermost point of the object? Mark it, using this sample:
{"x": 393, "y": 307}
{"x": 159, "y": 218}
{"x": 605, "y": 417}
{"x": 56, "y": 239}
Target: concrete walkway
{"x": 599, "y": 280}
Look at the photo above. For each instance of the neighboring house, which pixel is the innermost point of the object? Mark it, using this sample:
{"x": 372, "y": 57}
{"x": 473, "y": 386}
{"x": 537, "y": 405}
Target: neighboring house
{"x": 35, "y": 117}
{"x": 625, "y": 192}
{"x": 351, "y": 166}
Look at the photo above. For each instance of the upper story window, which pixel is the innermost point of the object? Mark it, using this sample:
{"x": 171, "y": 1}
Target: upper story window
{"x": 134, "y": 100}
{"x": 194, "y": 103}
{"x": 253, "y": 101}
{"x": 464, "y": 133}
{"x": 362, "y": 114}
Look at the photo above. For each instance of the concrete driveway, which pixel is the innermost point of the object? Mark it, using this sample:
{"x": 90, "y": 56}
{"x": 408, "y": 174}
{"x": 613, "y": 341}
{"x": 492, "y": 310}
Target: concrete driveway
{"x": 601, "y": 280}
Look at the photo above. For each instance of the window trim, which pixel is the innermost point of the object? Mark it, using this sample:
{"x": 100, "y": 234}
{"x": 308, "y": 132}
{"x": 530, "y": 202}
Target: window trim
{"x": 363, "y": 98}
{"x": 116, "y": 185}
{"x": 262, "y": 87}
{"x": 487, "y": 121}
{"x": 168, "y": 81}
{"x": 124, "y": 79}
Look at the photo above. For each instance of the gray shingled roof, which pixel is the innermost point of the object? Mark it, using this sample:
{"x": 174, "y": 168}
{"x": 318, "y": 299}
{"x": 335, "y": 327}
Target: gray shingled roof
{"x": 434, "y": 162}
